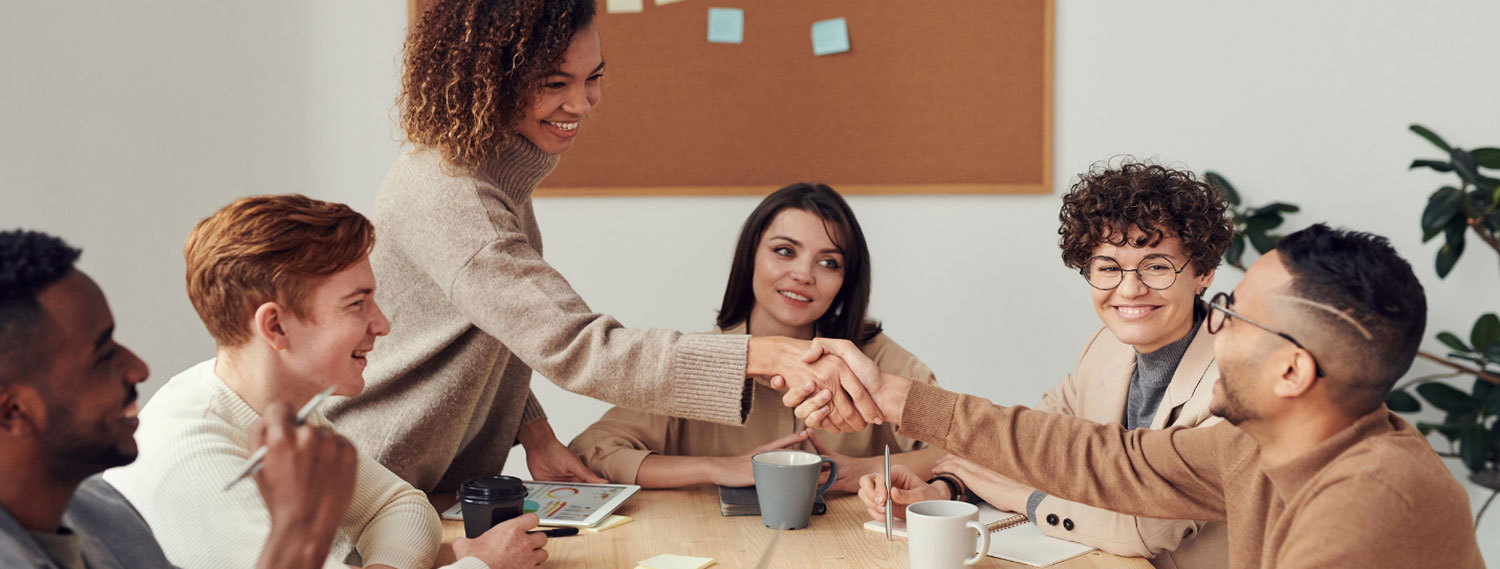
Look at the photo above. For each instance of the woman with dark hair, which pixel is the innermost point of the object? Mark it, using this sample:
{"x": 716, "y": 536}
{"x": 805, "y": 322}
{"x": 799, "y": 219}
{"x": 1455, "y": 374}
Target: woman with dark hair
{"x": 801, "y": 269}
{"x": 494, "y": 91}
{"x": 1147, "y": 240}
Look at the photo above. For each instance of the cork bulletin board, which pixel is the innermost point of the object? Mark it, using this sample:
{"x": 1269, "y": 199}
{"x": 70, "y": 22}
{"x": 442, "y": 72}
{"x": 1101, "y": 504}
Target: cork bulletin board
{"x": 934, "y": 96}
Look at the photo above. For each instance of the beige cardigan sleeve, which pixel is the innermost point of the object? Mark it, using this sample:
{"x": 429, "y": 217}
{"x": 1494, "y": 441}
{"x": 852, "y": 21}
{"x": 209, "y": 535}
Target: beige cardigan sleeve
{"x": 617, "y": 444}
{"x": 507, "y": 290}
{"x": 1173, "y": 473}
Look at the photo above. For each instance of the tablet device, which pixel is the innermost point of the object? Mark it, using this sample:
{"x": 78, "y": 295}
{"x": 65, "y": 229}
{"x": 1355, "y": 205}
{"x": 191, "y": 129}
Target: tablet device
{"x": 567, "y": 504}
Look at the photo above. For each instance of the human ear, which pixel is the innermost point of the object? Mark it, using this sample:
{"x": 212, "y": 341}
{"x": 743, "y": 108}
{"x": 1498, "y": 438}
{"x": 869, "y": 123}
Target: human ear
{"x": 1299, "y": 375}
{"x": 17, "y": 414}
{"x": 1206, "y": 279}
{"x": 267, "y": 325}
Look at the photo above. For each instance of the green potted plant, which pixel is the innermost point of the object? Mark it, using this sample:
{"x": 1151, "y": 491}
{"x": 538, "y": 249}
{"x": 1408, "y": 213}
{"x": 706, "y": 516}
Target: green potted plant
{"x": 1470, "y": 422}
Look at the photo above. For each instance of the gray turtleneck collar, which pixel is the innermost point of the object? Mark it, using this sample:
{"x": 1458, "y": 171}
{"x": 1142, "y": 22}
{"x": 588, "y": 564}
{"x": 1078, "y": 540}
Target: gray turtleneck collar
{"x": 1153, "y": 372}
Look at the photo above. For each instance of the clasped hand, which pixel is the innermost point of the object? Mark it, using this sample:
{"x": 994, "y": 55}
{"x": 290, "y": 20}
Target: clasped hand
{"x": 830, "y": 383}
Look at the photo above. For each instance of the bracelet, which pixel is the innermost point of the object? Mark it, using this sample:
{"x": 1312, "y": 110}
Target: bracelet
{"x": 956, "y": 489}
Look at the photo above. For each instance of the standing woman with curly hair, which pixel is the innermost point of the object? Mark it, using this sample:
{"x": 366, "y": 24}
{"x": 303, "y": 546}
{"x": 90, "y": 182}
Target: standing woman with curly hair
{"x": 493, "y": 92}
{"x": 1147, "y": 240}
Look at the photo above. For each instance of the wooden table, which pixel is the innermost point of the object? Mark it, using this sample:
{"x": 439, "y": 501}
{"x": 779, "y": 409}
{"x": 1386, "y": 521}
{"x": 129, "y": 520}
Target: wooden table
{"x": 687, "y": 522}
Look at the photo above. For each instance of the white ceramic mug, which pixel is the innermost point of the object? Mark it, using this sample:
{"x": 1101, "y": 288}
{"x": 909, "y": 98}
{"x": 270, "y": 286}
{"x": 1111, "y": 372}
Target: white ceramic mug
{"x": 939, "y": 534}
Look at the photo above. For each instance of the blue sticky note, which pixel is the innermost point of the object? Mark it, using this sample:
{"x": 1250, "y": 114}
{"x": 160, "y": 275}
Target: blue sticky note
{"x": 830, "y": 36}
{"x": 726, "y": 25}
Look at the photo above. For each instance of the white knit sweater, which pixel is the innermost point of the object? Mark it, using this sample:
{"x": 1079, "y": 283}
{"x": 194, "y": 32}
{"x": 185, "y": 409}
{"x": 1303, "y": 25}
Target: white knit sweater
{"x": 194, "y": 436}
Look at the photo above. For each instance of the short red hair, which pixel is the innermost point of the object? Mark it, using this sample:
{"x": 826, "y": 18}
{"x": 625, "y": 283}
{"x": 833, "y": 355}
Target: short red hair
{"x": 263, "y": 249}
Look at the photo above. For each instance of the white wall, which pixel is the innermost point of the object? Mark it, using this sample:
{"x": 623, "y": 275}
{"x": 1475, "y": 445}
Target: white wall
{"x": 125, "y": 124}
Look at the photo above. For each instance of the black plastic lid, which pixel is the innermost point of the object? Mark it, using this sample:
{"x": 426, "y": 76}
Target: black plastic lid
{"x": 491, "y": 489}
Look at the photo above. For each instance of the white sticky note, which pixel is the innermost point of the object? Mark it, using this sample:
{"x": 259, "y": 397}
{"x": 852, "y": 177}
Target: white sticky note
{"x": 726, "y": 25}
{"x": 625, "y": 6}
{"x": 667, "y": 561}
{"x": 830, "y": 36}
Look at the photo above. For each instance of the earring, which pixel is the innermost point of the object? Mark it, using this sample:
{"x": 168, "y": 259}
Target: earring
{"x": 1202, "y": 290}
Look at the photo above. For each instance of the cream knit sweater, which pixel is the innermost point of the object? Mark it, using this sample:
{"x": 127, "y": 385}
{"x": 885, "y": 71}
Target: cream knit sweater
{"x": 474, "y": 309}
{"x": 194, "y": 436}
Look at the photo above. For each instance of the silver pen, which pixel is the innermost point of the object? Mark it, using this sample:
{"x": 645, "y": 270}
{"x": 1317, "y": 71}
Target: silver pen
{"x": 889, "y": 518}
{"x": 252, "y": 464}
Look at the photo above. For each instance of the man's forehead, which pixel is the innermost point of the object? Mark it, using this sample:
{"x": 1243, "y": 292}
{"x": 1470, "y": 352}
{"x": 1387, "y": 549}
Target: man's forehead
{"x": 75, "y": 309}
{"x": 353, "y": 280}
{"x": 1263, "y": 280}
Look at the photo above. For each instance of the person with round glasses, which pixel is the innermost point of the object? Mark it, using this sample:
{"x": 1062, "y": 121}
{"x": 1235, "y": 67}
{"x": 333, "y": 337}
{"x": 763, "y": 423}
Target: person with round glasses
{"x": 1147, "y": 240}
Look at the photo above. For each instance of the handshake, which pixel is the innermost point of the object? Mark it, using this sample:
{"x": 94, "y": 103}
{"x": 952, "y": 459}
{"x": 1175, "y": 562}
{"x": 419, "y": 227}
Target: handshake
{"x": 832, "y": 385}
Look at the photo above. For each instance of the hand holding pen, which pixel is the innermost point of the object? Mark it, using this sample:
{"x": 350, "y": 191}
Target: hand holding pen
{"x": 307, "y": 476}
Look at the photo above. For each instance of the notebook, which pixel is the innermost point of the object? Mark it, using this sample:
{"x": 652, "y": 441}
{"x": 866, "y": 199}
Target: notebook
{"x": 1012, "y": 538}
{"x": 744, "y": 502}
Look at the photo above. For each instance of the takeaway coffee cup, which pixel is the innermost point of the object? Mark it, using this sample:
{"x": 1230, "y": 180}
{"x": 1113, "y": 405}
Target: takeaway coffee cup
{"x": 490, "y": 500}
{"x": 940, "y": 534}
{"x": 786, "y": 483}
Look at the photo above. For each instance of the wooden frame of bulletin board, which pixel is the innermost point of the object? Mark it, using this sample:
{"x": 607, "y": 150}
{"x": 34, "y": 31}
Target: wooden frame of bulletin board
{"x": 933, "y": 97}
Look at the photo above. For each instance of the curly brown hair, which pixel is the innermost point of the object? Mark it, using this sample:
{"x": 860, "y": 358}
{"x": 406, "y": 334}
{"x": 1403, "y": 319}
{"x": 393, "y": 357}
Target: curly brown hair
{"x": 1108, "y": 201}
{"x": 472, "y": 66}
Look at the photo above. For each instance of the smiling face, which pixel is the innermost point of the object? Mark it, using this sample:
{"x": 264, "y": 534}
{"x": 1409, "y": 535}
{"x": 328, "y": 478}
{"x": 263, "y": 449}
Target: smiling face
{"x": 328, "y": 347}
{"x": 1244, "y": 352}
{"x": 567, "y": 96}
{"x": 1138, "y": 315}
{"x": 89, "y": 391}
{"x": 798, "y": 273}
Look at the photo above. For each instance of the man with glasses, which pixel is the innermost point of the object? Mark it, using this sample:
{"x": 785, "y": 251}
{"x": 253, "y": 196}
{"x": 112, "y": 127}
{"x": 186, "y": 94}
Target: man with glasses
{"x": 1309, "y": 470}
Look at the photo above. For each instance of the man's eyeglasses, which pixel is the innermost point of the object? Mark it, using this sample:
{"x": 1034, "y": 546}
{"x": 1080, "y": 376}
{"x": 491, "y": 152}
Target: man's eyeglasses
{"x": 1157, "y": 272}
{"x": 1219, "y": 313}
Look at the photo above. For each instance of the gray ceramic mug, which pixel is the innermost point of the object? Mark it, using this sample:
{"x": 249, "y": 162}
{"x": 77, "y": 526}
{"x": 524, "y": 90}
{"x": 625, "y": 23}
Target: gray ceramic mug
{"x": 786, "y": 483}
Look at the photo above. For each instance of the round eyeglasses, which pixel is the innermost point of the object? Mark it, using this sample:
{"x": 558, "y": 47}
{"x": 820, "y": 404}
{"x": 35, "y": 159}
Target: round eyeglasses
{"x": 1157, "y": 272}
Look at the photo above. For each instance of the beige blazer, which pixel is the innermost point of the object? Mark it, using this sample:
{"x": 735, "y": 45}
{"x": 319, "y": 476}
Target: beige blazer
{"x": 1096, "y": 390}
{"x": 619, "y": 442}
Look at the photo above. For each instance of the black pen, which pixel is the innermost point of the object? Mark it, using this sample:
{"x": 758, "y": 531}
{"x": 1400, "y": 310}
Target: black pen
{"x": 557, "y": 532}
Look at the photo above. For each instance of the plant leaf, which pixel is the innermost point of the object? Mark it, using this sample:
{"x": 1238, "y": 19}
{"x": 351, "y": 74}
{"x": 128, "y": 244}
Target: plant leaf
{"x": 1236, "y": 249}
{"x": 1263, "y": 221}
{"x": 1480, "y": 393}
{"x": 1226, "y": 190}
{"x": 1489, "y": 157}
{"x": 1473, "y": 446}
{"x": 1431, "y": 137}
{"x": 1463, "y": 165}
{"x": 1447, "y": 397}
{"x": 1284, "y": 207}
{"x": 1449, "y": 433}
{"x": 1486, "y": 332}
{"x": 1428, "y": 234}
{"x": 1451, "y": 251}
{"x": 1260, "y": 241}
{"x": 1438, "y": 165}
{"x": 1402, "y": 402}
{"x": 1479, "y": 200}
{"x": 1452, "y": 341}
{"x": 1272, "y": 208}
{"x": 1442, "y": 206}
{"x": 1492, "y": 353}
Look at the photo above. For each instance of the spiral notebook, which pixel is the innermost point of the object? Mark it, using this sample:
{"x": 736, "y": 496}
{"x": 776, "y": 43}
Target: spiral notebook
{"x": 1012, "y": 538}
